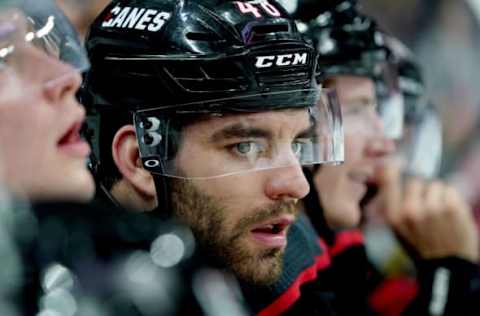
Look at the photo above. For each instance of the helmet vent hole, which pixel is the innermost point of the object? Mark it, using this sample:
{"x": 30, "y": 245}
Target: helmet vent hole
{"x": 269, "y": 28}
{"x": 204, "y": 37}
{"x": 258, "y": 32}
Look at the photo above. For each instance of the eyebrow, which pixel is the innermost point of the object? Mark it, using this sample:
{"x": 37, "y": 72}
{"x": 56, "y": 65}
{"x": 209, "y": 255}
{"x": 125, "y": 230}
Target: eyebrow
{"x": 237, "y": 131}
{"x": 309, "y": 132}
{"x": 240, "y": 131}
{"x": 363, "y": 100}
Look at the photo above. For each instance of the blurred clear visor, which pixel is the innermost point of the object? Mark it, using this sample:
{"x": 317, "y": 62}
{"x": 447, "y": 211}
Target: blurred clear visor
{"x": 420, "y": 150}
{"x": 29, "y": 26}
{"x": 391, "y": 105}
{"x": 241, "y": 134}
{"x": 358, "y": 103}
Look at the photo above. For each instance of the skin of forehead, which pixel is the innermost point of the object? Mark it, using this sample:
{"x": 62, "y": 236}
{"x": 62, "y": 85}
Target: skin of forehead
{"x": 353, "y": 88}
{"x": 281, "y": 124}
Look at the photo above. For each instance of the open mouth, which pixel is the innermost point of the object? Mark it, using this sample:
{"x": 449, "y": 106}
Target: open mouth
{"x": 72, "y": 143}
{"x": 273, "y": 229}
{"x": 71, "y": 136}
{"x": 273, "y": 234}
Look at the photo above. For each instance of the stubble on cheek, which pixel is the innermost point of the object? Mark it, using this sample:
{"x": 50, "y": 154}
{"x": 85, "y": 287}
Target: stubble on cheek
{"x": 230, "y": 248}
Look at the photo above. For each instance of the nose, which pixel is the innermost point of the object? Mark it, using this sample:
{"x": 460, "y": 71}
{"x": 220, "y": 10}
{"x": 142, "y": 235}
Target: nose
{"x": 287, "y": 184}
{"x": 63, "y": 83}
{"x": 379, "y": 147}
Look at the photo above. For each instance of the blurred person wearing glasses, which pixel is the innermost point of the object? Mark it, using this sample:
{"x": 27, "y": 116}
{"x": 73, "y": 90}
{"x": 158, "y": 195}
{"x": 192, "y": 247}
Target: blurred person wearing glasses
{"x": 40, "y": 118}
{"x": 60, "y": 254}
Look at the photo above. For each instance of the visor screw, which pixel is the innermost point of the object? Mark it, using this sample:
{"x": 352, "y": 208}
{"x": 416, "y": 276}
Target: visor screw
{"x": 147, "y": 124}
{"x": 148, "y": 139}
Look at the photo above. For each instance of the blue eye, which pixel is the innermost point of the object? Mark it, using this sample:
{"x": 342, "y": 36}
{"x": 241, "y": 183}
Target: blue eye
{"x": 245, "y": 148}
{"x": 250, "y": 150}
{"x": 303, "y": 149}
{"x": 297, "y": 148}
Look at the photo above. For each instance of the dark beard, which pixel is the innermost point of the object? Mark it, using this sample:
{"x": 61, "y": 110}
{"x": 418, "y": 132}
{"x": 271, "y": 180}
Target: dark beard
{"x": 207, "y": 218}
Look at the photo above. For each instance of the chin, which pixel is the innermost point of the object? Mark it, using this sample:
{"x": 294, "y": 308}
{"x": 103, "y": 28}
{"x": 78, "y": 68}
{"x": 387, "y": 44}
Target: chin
{"x": 85, "y": 189}
{"x": 263, "y": 268}
{"x": 77, "y": 187}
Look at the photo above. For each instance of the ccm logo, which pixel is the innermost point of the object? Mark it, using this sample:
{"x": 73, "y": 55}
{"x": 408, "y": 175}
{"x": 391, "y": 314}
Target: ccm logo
{"x": 281, "y": 60}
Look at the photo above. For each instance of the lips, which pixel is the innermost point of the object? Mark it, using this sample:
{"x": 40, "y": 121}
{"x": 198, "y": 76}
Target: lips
{"x": 273, "y": 233}
{"x": 71, "y": 142}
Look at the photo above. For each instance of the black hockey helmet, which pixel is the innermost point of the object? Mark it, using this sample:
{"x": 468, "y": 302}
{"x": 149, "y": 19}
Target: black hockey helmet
{"x": 164, "y": 61}
{"x": 158, "y": 53}
{"x": 307, "y": 10}
{"x": 348, "y": 42}
{"x": 351, "y": 43}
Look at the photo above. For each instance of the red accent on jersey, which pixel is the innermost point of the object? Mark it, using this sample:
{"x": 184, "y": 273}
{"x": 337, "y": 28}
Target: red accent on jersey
{"x": 345, "y": 240}
{"x": 291, "y": 295}
{"x": 392, "y": 296}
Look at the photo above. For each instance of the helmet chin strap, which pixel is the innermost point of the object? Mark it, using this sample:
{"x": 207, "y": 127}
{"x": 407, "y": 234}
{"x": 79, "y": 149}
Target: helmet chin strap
{"x": 93, "y": 166}
{"x": 109, "y": 196}
{"x": 164, "y": 208}
{"x": 162, "y": 187}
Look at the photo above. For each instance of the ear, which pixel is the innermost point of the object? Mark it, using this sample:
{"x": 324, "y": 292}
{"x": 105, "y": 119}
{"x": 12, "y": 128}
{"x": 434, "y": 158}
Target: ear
{"x": 126, "y": 155}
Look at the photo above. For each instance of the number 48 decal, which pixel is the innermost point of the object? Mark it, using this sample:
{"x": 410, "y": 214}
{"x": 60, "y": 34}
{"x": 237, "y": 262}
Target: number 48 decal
{"x": 247, "y": 7}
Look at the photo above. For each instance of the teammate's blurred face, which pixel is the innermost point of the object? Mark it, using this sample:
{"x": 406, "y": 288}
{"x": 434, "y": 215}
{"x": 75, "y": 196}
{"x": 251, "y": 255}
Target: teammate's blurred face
{"x": 342, "y": 187}
{"x": 242, "y": 219}
{"x": 42, "y": 153}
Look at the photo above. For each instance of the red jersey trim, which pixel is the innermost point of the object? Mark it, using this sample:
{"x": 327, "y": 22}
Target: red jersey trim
{"x": 291, "y": 295}
{"x": 345, "y": 240}
{"x": 393, "y": 296}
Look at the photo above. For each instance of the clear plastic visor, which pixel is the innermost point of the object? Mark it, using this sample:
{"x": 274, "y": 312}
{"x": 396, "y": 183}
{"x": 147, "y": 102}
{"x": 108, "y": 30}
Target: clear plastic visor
{"x": 180, "y": 142}
{"x": 35, "y": 33}
{"x": 391, "y": 105}
{"x": 356, "y": 97}
{"x": 372, "y": 108}
{"x": 420, "y": 150}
